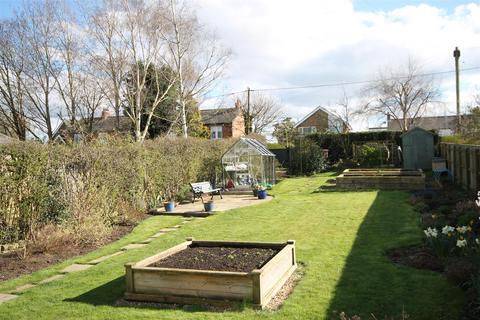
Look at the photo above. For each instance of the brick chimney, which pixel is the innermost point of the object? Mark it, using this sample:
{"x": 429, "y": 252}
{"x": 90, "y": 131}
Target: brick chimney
{"x": 106, "y": 114}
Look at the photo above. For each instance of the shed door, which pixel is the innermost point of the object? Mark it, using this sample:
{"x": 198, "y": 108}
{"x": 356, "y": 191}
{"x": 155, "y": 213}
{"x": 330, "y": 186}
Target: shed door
{"x": 410, "y": 156}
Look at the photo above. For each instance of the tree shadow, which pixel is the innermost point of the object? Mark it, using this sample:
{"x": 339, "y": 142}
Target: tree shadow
{"x": 371, "y": 286}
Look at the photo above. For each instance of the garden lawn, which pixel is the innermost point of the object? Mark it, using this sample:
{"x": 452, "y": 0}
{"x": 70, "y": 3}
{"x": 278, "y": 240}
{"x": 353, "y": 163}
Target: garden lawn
{"x": 341, "y": 239}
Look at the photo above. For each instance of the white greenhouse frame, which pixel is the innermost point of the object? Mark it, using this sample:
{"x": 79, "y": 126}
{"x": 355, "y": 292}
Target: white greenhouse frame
{"x": 246, "y": 163}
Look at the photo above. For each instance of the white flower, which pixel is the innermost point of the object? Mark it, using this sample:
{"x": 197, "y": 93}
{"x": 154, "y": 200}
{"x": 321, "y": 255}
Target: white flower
{"x": 447, "y": 229}
{"x": 461, "y": 243}
{"x": 477, "y": 241}
{"x": 431, "y": 232}
{"x": 462, "y": 229}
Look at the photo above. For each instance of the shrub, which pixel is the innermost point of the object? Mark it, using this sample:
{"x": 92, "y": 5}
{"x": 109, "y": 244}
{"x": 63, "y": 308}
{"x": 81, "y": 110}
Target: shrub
{"x": 87, "y": 189}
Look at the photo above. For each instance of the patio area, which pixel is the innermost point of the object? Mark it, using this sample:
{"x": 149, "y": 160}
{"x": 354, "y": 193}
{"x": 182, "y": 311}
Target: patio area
{"x": 227, "y": 203}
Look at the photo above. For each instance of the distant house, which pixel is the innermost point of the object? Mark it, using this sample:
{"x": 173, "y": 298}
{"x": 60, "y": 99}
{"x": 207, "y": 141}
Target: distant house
{"x": 444, "y": 125}
{"x": 105, "y": 125}
{"x": 224, "y": 123}
{"x": 321, "y": 120}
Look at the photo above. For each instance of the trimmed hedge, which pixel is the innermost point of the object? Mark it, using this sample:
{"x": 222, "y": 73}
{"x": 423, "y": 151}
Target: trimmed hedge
{"x": 97, "y": 184}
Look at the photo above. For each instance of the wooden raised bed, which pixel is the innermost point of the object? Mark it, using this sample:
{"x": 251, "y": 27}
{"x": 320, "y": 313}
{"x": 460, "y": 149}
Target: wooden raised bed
{"x": 189, "y": 286}
{"x": 388, "y": 179}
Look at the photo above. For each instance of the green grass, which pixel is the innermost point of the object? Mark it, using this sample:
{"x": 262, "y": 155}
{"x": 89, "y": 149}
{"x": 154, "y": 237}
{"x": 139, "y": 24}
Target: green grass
{"x": 341, "y": 238}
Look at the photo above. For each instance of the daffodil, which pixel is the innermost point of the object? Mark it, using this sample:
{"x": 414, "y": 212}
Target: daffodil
{"x": 462, "y": 229}
{"x": 461, "y": 243}
{"x": 431, "y": 232}
{"x": 447, "y": 229}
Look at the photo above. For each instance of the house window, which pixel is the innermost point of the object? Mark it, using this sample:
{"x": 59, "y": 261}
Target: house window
{"x": 216, "y": 132}
{"x": 307, "y": 130}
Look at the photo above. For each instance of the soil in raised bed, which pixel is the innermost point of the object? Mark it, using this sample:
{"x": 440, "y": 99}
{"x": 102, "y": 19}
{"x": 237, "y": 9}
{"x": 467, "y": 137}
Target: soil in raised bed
{"x": 218, "y": 259}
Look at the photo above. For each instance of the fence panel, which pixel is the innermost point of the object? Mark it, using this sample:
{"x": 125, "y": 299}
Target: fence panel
{"x": 463, "y": 160}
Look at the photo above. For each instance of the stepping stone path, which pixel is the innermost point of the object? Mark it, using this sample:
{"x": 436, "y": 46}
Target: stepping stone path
{"x": 52, "y": 278}
{"x": 98, "y": 260}
{"x": 24, "y": 287}
{"x": 134, "y": 246}
{"x": 76, "y": 268}
{"x": 6, "y": 297}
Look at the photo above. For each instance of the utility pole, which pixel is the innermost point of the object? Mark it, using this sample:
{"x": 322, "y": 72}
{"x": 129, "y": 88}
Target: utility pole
{"x": 456, "y": 55}
{"x": 249, "y": 118}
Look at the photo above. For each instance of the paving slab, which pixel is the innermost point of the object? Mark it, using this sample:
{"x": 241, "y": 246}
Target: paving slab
{"x": 168, "y": 229}
{"x": 23, "y": 288}
{"x": 156, "y": 235}
{"x": 177, "y": 226}
{"x": 147, "y": 240}
{"x": 98, "y": 260}
{"x": 76, "y": 268}
{"x": 186, "y": 221}
{"x": 6, "y": 297}
{"x": 229, "y": 201}
{"x": 52, "y": 278}
{"x": 134, "y": 246}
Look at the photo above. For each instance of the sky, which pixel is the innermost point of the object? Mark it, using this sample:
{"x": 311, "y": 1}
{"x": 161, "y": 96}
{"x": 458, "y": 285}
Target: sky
{"x": 285, "y": 43}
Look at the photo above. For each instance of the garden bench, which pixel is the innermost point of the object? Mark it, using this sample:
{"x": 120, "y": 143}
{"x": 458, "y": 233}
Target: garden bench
{"x": 201, "y": 188}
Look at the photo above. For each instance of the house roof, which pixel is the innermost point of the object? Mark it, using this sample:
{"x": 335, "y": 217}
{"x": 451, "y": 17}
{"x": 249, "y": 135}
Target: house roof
{"x": 319, "y": 108}
{"x": 100, "y": 124}
{"x": 430, "y": 123}
{"x": 4, "y": 139}
{"x": 219, "y": 116}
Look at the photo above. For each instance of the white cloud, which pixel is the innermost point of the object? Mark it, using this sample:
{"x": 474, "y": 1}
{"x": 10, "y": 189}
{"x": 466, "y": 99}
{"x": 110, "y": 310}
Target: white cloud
{"x": 284, "y": 43}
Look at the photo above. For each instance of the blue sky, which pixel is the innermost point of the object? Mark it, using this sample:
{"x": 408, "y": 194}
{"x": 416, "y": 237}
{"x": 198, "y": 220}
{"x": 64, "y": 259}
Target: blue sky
{"x": 284, "y": 43}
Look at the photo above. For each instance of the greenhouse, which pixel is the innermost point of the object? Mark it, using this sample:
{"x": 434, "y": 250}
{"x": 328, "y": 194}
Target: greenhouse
{"x": 246, "y": 163}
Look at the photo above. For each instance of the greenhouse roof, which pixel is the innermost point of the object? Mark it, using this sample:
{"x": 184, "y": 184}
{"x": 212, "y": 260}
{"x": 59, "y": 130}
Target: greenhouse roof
{"x": 257, "y": 146}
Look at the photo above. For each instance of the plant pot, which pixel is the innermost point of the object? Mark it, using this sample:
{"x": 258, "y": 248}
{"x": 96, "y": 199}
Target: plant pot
{"x": 169, "y": 206}
{"x": 208, "y": 206}
{"x": 262, "y": 194}
{"x": 255, "y": 192}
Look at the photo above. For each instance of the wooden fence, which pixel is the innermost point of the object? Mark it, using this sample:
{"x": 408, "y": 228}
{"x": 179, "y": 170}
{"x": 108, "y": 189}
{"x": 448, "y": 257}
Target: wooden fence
{"x": 463, "y": 160}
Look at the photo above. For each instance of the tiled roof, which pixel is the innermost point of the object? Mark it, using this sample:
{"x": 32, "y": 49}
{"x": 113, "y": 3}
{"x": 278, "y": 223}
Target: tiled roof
{"x": 219, "y": 116}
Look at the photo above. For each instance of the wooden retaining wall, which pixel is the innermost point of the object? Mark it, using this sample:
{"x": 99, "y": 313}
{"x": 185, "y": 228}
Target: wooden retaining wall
{"x": 189, "y": 286}
{"x": 463, "y": 160}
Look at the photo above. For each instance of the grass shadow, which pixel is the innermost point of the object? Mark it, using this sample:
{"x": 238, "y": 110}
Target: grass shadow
{"x": 372, "y": 286}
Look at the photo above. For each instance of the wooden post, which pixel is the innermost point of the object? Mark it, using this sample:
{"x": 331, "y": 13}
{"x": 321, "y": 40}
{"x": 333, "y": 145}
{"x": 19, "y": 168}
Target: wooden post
{"x": 257, "y": 296}
{"x": 473, "y": 168}
{"x": 294, "y": 254}
{"x": 129, "y": 277}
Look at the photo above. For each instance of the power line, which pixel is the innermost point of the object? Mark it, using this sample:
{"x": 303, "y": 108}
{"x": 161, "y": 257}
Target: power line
{"x": 339, "y": 84}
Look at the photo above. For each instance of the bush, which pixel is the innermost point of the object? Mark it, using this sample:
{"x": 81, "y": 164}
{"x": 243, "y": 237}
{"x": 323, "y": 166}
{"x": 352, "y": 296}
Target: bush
{"x": 87, "y": 189}
{"x": 307, "y": 158}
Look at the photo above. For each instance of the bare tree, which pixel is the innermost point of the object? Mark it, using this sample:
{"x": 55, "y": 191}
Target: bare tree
{"x": 193, "y": 52}
{"x": 141, "y": 31}
{"x": 13, "y": 118}
{"x": 402, "y": 96}
{"x": 38, "y": 29}
{"x": 104, "y": 26}
{"x": 262, "y": 112}
{"x": 344, "y": 113}
{"x": 70, "y": 56}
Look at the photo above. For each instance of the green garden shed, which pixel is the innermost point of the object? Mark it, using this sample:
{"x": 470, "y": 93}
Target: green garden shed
{"x": 417, "y": 149}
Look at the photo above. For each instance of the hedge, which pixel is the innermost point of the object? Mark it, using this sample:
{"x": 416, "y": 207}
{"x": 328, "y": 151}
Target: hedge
{"x": 96, "y": 184}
